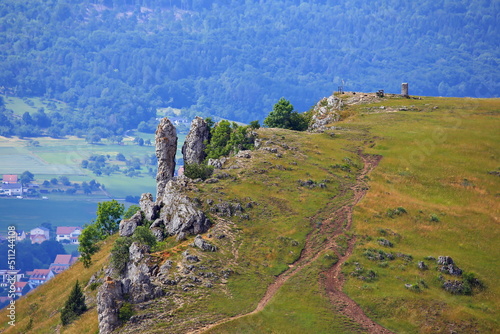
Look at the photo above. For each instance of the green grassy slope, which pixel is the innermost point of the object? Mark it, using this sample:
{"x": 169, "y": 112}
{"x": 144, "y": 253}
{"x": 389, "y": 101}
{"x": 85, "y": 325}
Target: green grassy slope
{"x": 435, "y": 165}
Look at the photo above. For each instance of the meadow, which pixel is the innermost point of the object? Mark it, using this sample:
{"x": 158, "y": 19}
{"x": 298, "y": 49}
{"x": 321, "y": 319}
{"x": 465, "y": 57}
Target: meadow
{"x": 433, "y": 194}
{"x": 437, "y": 165}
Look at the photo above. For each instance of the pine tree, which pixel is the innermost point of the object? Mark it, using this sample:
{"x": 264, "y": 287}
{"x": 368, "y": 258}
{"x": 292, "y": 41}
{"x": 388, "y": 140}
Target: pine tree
{"x": 74, "y": 306}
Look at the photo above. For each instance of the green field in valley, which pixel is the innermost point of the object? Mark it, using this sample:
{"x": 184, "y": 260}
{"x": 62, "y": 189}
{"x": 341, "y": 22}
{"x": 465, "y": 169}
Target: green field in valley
{"x": 53, "y": 158}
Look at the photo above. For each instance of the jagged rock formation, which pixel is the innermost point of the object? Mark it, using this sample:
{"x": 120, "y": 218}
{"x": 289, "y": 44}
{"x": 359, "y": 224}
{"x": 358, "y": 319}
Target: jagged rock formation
{"x": 179, "y": 213}
{"x": 173, "y": 213}
{"x": 135, "y": 286}
{"x": 149, "y": 207}
{"x": 137, "y": 279}
{"x": 128, "y": 226}
{"x": 109, "y": 301}
{"x": 193, "y": 150}
{"x": 325, "y": 112}
{"x": 166, "y": 147}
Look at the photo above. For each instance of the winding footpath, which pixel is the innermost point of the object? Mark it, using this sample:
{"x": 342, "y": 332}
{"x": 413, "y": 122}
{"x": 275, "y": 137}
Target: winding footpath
{"x": 338, "y": 223}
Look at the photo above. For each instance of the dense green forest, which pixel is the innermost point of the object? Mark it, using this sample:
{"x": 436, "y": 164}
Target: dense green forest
{"x": 114, "y": 62}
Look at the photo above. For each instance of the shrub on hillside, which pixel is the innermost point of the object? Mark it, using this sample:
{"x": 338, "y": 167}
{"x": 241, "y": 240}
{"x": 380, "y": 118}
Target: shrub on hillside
{"x": 198, "y": 171}
{"x": 120, "y": 253}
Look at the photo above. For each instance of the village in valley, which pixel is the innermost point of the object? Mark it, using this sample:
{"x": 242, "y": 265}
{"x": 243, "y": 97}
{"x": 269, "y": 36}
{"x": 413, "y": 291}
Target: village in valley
{"x": 28, "y": 280}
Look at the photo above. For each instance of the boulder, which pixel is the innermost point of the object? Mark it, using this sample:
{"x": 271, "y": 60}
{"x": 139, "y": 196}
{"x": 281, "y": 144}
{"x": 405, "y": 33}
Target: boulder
{"x": 422, "y": 265}
{"x": 451, "y": 269}
{"x": 193, "y": 150}
{"x": 189, "y": 257}
{"x": 128, "y": 226}
{"x": 217, "y": 163}
{"x": 444, "y": 260}
{"x": 454, "y": 287}
{"x": 227, "y": 209}
{"x": 385, "y": 242}
{"x": 204, "y": 245}
{"x": 166, "y": 147}
{"x": 165, "y": 267}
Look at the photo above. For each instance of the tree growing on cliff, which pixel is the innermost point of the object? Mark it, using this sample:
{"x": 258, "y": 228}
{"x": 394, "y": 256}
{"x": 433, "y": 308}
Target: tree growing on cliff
{"x": 108, "y": 217}
{"x": 74, "y": 306}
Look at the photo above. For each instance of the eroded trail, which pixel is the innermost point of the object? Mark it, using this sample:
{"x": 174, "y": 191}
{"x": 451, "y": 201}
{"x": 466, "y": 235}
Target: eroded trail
{"x": 337, "y": 224}
{"x": 333, "y": 280}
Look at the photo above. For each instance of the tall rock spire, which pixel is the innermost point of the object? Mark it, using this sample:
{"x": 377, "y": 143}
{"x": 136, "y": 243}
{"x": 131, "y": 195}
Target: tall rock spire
{"x": 166, "y": 147}
{"x": 193, "y": 150}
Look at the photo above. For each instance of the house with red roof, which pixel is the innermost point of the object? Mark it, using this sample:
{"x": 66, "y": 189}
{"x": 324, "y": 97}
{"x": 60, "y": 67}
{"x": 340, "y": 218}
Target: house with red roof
{"x": 40, "y": 276}
{"x": 9, "y": 178}
{"x": 39, "y": 235}
{"x": 69, "y": 234}
{"x": 62, "y": 262}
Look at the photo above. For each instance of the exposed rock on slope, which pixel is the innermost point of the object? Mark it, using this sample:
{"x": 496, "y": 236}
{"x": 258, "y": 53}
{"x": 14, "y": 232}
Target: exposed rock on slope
{"x": 325, "y": 112}
{"x": 134, "y": 286}
{"x": 173, "y": 214}
{"x": 128, "y": 226}
{"x": 109, "y": 301}
{"x": 193, "y": 150}
{"x": 179, "y": 214}
{"x": 166, "y": 147}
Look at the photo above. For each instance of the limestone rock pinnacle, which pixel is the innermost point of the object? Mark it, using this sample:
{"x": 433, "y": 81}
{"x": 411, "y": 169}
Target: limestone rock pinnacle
{"x": 166, "y": 147}
{"x": 193, "y": 150}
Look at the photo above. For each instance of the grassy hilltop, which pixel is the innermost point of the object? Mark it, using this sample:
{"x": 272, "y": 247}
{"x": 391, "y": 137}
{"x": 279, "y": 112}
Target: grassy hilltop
{"x": 434, "y": 193}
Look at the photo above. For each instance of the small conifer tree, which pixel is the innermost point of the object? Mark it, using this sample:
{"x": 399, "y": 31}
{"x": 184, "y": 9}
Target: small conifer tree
{"x": 74, "y": 306}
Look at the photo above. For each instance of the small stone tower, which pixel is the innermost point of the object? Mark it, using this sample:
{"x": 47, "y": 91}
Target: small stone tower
{"x": 404, "y": 90}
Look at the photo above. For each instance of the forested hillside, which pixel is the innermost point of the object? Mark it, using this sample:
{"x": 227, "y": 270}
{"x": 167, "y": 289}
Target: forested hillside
{"x": 116, "y": 61}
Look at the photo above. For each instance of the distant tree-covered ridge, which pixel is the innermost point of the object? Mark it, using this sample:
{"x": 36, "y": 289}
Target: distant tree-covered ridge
{"x": 114, "y": 62}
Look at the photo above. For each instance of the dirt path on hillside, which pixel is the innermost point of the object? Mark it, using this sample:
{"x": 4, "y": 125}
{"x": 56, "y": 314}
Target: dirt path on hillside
{"x": 338, "y": 223}
{"x": 333, "y": 280}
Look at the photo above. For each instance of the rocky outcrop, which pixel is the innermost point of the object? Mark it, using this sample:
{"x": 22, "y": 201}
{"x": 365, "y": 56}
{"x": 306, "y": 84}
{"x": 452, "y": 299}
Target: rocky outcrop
{"x": 448, "y": 266}
{"x": 166, "y": 147}
{"x": 149, "y": 207}
{"x": 325, "y": 112}
{"x": 109, "y": 301}
{"x": 179, "y": 213}
{"x": 134, "y": 287}
{"x": 137, "y": 279}
{"x": 128, "y": 226}
{"x": 193, "y": 150}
